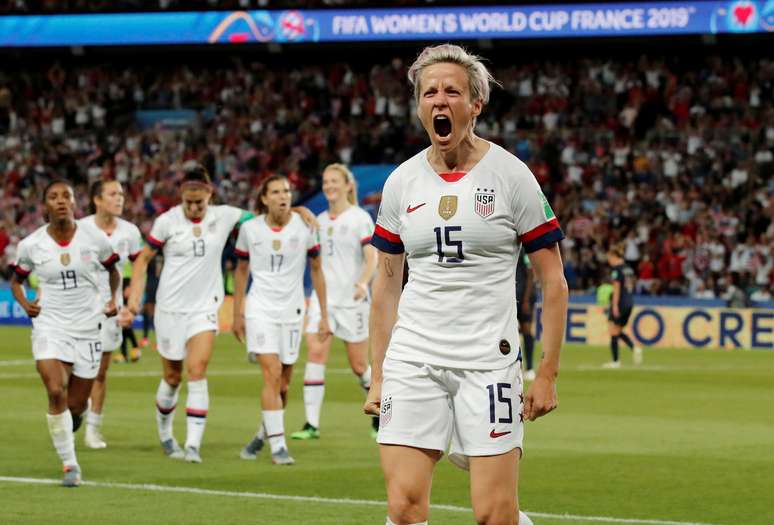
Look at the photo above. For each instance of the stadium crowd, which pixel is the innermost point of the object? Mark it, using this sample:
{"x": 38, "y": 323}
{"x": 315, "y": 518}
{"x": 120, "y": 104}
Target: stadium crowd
{"x": 673, "y": 158}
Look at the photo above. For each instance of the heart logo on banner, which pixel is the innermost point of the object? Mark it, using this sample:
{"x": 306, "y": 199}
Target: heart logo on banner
{"x": 743, "y": 13}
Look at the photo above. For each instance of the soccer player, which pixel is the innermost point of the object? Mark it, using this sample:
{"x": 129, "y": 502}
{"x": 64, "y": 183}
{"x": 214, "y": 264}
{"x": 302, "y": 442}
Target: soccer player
{"x": 445, "y": 349}
{"x": 68, "y": 257}
{"x": 273, "y": 248}
{"x": 191, "y": 237}
{"x": 349, "y": 263}
{"x": 621, "y": 304}
{"x": 525, "y": 301}
{"x": 107, "y": 205}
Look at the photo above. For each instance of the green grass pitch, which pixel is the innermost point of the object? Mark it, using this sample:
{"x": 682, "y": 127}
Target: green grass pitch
{"x": 687, "y": 438}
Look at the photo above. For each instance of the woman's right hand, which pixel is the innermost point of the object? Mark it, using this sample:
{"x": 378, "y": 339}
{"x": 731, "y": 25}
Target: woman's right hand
{"x": 32, "y": 307}
{"x": 373, "y": 402}
{"x": 238, "y": 328}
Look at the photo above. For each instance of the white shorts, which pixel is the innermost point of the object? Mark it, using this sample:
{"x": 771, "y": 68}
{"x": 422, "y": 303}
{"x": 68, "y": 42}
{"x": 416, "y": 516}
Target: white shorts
{"x": 84, "y": 354}
{"x": 479, "y": 411}
{"x": 111, "y": 334}
{"x": 267, "y": 337}
{"x": 348, "y": 324}
{"x": 174, "y": 330}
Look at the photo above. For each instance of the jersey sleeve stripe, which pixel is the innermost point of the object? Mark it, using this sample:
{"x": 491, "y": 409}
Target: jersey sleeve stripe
{"x": 365, "y": 240}
{"x": 21, "y": 272}
{"x": 546, "y": 227}
{"x": 133, "y": 256}
{"x": 155, "y": 242}
{"x": 314, "y": 251}
{"x": 110, "y": 261}
{"x": 386, "y": 241}
{"x": 544, "y": 241}
{"x": 241, "y": 254}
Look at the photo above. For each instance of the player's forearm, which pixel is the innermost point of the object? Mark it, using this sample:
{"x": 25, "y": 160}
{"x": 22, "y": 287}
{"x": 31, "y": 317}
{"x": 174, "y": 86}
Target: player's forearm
{"x": 384, "y": 314}
{"x": 555, "y": 297}
{"x": 369, "y": 268}
{"x": 318, "y": 282}
{"x": 616, "y": 293}
{"x": 115, "y": 282}
{"x": 137, "y": 282}
{"x": 240, "y": 288}
{"x": 17, "y": 289}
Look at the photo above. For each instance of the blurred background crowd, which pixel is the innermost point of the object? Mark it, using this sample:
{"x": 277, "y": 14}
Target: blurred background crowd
{"x": 674, "y": 157}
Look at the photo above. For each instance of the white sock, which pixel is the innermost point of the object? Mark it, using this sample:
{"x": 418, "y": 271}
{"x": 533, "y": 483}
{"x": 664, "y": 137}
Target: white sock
{"x": 275, "y": 429}
{"x": 196, "y": 411}
{"x": 166, "y": 401}
{"x": 261, "y": 434}
{"x": 60, "y": 427}
{"x": 524, "y": 519}
{"x": 314, "y": 392}
{"x": 93, "y": 419}
{"x": 365, "y": 379}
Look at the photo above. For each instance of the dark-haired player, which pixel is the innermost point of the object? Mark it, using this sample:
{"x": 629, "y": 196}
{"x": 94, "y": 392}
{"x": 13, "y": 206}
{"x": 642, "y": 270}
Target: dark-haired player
{"x": 621, "y": 304}
{"x": 191, "y": 237}
{"x": 68, "y": 257}
{"x": 107, "y": 205}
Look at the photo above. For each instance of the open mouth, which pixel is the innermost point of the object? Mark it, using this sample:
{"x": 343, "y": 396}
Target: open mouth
{"x": 442, "y": 125}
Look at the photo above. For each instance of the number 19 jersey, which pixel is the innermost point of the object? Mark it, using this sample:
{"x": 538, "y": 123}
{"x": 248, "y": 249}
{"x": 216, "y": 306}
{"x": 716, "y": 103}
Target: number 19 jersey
{"x": 277, "y": 262}
{"x": 462, "y": 233}
{"x": 69, "y": 274}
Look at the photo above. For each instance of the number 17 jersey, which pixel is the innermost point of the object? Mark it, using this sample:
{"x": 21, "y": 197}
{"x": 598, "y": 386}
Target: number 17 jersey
{"x": 462, "y": 233}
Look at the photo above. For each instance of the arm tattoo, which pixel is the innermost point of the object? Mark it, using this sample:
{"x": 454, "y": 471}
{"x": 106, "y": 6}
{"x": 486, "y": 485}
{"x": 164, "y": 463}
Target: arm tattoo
{"x": 388, "y": 268}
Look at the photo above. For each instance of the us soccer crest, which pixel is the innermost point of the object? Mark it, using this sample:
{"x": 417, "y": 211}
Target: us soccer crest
{"x": 197, "y": 231}
{"x": 64, "y": 258}
{"x": 484, "y": 202}
{"x": 385, "y": 414}
{"x": 276, "y": 244}
{"x": 447, "y": 206}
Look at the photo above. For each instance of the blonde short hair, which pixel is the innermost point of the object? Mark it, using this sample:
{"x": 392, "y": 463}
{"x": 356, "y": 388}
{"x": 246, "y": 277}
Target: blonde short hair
{"x": 479, "y": 76}
{"x": 348, "y": 176}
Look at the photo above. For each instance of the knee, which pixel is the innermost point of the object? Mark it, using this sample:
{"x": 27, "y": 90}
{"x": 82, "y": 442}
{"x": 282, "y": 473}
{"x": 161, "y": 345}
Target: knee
{"x": 78, "y": 407}
{"x": 497, "y": 511}
{"x": 57, "y": 395}
{"x": 407, "y": 508}
{"x": 172, "y": 377}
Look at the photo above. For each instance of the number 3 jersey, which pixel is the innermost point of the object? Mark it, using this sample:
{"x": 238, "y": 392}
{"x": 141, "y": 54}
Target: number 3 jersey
{"x": 191, "y": 279}
{"x": 277, "y": 262}
{"x": 462, "y": 233}
{"x": 69, "y": 276}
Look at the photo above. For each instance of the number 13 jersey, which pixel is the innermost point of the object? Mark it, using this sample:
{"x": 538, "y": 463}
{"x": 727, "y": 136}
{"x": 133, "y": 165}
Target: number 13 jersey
{"x": 462, "y": 233}
{"x": 69, "y": 274}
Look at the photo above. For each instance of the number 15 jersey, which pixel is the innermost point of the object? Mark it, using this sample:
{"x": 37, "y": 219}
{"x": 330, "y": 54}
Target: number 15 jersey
{"x": 462, "y": 233}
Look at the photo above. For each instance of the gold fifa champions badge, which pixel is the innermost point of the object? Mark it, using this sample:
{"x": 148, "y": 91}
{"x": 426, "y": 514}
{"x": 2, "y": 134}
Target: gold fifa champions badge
{"x": 64, "y": 258}
{"x": 197, "y": 231}
{"x": 447, "y": 206}
{"x": 276, "y": 244}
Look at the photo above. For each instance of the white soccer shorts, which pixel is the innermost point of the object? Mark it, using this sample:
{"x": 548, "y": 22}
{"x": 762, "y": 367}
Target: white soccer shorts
{"x": 479, "y": 411}
{"x": 111, "y": 334}
{"x": 348, "y": 324}
{"x": 267, "y": 337}
{"x": 173, "y": 330}
{"x": 84, "y": 354}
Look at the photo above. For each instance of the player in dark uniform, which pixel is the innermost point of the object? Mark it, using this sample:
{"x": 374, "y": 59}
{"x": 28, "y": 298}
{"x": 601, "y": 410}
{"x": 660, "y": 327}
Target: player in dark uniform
{"x": 621, "y": 304}
{"x": 525, "y": 299}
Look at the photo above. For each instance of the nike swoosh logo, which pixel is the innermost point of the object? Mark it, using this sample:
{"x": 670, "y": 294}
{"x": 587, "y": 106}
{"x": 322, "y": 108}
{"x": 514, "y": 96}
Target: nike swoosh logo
{"x": 495, "y": 435}
{"x": 415, "y": 208}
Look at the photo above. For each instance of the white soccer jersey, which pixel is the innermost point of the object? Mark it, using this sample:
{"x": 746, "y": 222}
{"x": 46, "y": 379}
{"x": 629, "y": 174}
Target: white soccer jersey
{"x": 126, "y": 241}
{"x": 341, "y": 246}
{"x": 192, "y": 279}
{"x": 462, "y": 233}
{"x": 69, "y": 275}
{"x": 277, "y": 262}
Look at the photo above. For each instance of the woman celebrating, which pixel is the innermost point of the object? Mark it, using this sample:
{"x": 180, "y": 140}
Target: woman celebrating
{"x": 445, "y": 349}
{"x": 107, "y": 205}
{"x": 349, "y": 263}
{"x": 273, "y": 248}
{"x": 621, "y": 304}
{"x": 68, "y": 258}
